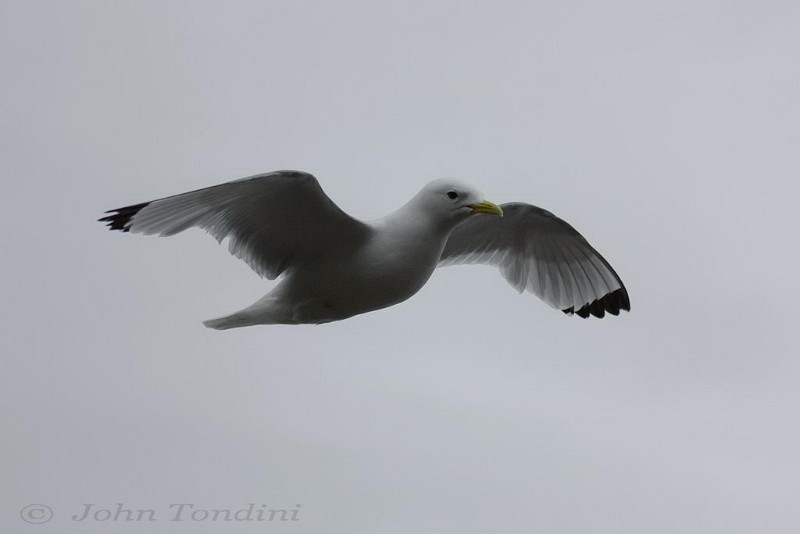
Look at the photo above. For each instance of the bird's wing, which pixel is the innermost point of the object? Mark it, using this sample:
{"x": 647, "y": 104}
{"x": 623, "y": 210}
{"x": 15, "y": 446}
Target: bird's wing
{"x": 538, "y": 252}
{"x": 274, "y": 221}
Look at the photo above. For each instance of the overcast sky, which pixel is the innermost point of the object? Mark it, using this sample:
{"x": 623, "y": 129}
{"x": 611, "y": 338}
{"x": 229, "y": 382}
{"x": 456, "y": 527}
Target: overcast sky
{"x": 666, "y": 132}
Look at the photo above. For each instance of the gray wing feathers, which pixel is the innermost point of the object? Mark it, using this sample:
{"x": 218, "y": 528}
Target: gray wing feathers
{"x": 540, "y": 253}
{"x": 272, "y": 221}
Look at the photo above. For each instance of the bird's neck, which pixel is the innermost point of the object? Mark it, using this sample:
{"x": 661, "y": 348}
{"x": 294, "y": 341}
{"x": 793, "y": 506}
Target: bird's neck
{"x": 411, "y": 220}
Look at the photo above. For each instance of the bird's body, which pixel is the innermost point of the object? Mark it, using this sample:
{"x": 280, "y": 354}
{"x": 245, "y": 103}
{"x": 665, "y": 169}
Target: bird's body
{"x": 396, "y": 258}
{"x": 335, "y": 267}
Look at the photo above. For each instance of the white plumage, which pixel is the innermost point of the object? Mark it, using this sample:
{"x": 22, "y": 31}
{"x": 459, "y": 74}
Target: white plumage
{"x": 334, "y": 266}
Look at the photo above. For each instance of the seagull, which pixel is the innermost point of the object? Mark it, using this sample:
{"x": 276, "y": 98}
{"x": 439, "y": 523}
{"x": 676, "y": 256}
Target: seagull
{"x": 334, "y": 266}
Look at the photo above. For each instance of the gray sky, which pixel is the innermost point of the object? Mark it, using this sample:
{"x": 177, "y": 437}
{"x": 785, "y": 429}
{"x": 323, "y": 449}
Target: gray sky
{"x": 666, "y": 132}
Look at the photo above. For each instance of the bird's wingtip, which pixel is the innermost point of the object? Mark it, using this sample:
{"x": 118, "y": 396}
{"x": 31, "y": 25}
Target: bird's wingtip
{"x": 612, "y": 303}
{"x": 120, "y": 218}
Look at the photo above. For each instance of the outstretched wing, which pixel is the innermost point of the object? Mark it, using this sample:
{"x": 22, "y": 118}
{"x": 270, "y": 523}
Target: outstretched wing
{"x": 538, "y": 252}
{"x": 274, "y": 221}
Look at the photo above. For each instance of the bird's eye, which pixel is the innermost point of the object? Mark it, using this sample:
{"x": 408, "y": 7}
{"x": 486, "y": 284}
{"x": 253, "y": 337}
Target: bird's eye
{"x": 452, "y": 195}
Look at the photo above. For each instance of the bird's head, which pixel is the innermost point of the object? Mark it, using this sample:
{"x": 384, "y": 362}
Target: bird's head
{"x": 452, "y": 201}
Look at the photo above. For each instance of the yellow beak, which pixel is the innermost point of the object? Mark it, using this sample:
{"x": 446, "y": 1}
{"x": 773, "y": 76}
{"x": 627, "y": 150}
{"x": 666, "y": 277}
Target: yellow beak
{"x": 486, "y": 207}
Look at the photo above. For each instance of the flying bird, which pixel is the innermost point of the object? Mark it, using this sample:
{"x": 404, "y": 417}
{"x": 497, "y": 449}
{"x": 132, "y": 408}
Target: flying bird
{"x": 334, "y": 266}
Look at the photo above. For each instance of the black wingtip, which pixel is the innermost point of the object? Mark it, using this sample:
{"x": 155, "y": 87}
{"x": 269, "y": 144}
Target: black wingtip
{"x": 611, "y": 303}
{"x": 120, "y": 218}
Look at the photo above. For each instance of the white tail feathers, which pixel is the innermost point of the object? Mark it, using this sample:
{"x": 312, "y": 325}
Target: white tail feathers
{"x": 266, "y": 310}
{"x": 235, "y": 320}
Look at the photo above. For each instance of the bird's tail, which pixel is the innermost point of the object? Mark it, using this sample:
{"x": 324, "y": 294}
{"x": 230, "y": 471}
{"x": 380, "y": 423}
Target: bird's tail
{"x": 234, "y": 320}
{"x": 266, "y": 310}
